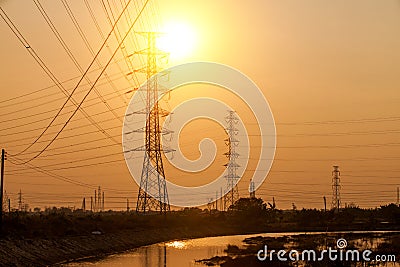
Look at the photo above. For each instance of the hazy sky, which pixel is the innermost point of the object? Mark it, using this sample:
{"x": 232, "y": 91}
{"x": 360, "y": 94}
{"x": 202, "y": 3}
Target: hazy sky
{"x": 329, "y": 70}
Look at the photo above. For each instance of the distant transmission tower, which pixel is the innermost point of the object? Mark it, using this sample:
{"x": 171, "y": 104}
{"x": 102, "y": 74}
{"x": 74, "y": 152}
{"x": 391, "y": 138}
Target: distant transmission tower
{"x": 336, "y": 188}
{"x": 20, "y": 202}
{"x": 231, "y": 178}
{"x": 152, "y": 182}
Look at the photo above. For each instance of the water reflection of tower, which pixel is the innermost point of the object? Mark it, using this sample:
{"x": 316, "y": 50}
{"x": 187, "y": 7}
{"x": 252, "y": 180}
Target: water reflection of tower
{"x": 154, "y": 256}
{"x": 147, "y": 257}
{"x": 162, "y": 256}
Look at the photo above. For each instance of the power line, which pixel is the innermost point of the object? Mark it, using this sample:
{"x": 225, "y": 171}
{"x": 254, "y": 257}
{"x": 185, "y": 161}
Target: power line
{"x": 81, "y": 160}
{"x": 40, "y": 120}
{"x": 46, "y": 88}
{"x": 94, "y": 83}
{"x": 377, "y": 119}
{"x": 87, "y": 44}
{"x": 64, "y": 125}
{"x": 340, "y": 146}
{"x": 64, "y": 137}
{"x": 56, "y": 176}
{"x": 33, "y": 106}
{"x": 118, "y": 36}
{"x": 32, "y": 52}
{"x": 126, "y": 59}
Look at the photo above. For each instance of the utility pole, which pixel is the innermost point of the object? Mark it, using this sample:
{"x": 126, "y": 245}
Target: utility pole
{"x": 127, "y": 204}
{"x": 95, "y": 201}
{"x": 336, "y": 202}
{"x": 273, "y": 205}
{"x": 216, "y": 200}
{"x": 153, "y": 194}
{"x": 3, "y": 158}
{"x": 232, "y": 178}
{"x": 324, "y": 203}
{"x": 209, "y": 204}
{"x": 91, "y": 204}
{"x": 102, "y": 202}
{"x": 84, "y": 204}
{"x": 221, "y": 202}
{"x": 398, "y": 197}
{"x": 99, "y": 199}
{"x": 252, "y": 189}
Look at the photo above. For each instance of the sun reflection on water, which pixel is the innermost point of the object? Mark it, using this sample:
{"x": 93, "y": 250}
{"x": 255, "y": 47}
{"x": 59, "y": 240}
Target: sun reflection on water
{"x": 176, "y": 244}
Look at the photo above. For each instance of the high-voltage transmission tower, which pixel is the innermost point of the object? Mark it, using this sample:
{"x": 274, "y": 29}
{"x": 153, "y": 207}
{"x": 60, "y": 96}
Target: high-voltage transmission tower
{"x": 231, "y": 178}
{"x": 153, "y": 194}
{"x": 336, "y": 188}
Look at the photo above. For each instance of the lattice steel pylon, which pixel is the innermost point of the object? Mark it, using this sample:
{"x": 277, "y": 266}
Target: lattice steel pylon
{"x": 153, "y": 194}
{"x": 336, "y": 188}
{"x": 232, "y": 194}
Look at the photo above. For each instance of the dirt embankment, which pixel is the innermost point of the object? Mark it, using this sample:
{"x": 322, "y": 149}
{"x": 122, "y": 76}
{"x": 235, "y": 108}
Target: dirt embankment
{"x": 42, "y": 239}
{"x": 45, "y": 252}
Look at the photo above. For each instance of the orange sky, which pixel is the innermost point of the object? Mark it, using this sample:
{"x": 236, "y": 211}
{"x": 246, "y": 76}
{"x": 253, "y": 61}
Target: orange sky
{"x": 328, "y": 69}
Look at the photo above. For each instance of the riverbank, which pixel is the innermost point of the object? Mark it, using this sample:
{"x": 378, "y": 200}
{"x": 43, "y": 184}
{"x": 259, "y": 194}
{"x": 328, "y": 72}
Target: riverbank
{"x": 384, "y": 246}
{"x": 56, "y": 251}
{"x": 45, "y": 252}
{"x": 62, "y": 235}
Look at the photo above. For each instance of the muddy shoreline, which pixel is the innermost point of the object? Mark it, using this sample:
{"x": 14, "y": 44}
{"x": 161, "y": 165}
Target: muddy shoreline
{"x": 46, "y": 239}
{"x": 56, "y": 251}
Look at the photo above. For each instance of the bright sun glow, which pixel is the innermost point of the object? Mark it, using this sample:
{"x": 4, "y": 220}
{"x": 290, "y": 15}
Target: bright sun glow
{"x": 178, "y": 39}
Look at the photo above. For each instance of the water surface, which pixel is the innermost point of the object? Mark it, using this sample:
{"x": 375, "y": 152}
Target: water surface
{"x": 181, "y": 253}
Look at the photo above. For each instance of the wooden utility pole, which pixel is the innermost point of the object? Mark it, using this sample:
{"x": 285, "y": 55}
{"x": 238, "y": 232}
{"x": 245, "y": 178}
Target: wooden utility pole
{"x": 102, "y": 202}
{"x": 221, "y": 202}
{"x": 99, "y": 199}
{"x": 3, "y": 158}
{"x": 84, "y": 204}
{"x": 216, "y": 200}
{"x": 95, "y": 201}
{"x": 91, "y": 204}
{"x": 20, "y": 204}
{"x": 324, "y": 203}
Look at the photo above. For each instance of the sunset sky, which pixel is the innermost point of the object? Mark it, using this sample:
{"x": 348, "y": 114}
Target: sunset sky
{"x": 329, "y": 70}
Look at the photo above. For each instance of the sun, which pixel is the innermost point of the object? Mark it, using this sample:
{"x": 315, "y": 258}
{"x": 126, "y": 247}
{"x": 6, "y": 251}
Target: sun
{"x": 177, "y": 39}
